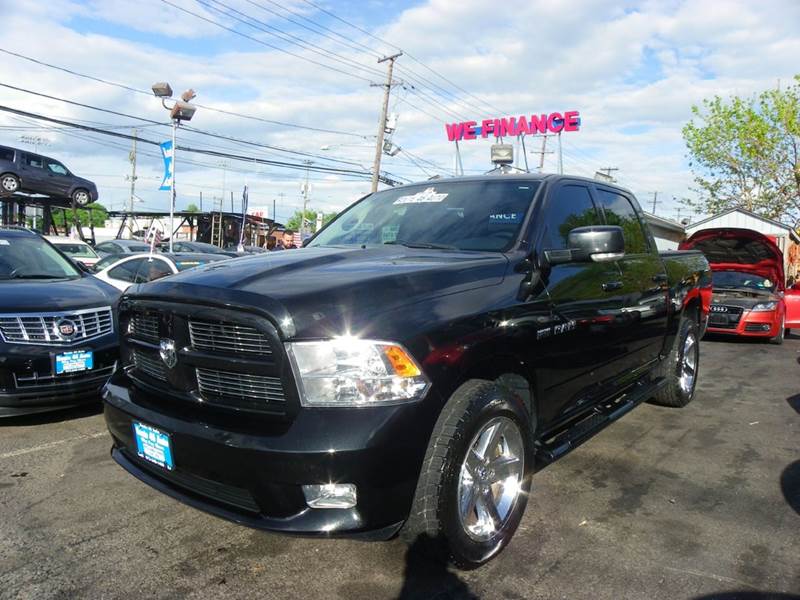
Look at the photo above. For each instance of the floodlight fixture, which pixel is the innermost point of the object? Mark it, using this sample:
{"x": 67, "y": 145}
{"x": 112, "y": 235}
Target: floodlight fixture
{"x": 182, "y": 111}
{"x": 502, "y": 154}
{"x": 162, "y": 90}
{"x": 188, "y": 95}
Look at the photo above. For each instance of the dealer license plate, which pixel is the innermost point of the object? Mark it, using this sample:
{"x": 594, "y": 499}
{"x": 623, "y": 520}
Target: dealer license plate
{"x": 74, "y": 362}
{"x": 153, "y": 445}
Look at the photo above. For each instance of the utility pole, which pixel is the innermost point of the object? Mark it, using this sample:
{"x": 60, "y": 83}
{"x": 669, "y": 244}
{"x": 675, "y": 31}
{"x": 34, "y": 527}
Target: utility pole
{"x": 560, "y": 156}
{"x": 201, "y": 200}
{"x": 543, "y": 151}
{"x": 305, "y": 200}
{"x": 608, "y": 171}
{"x": 376, "y": 166}
{"x": 132, "y": 158}
{"x": 232, "y": 201}
{"x": 655, "y": 201}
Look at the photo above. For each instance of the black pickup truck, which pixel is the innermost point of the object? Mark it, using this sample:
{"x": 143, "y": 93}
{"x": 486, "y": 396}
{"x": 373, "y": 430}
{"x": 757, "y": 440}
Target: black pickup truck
{"x": 412, "y": 366}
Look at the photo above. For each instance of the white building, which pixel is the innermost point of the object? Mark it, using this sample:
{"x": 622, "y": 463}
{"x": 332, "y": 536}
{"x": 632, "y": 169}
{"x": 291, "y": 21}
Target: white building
{"x": 668, "y": 233}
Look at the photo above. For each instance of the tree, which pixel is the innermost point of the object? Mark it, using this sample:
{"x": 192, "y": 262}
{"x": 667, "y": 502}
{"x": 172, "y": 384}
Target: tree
{"x": 192, "y": 208}
{"x": 311, "y": 216}
{"x": 745, "y": 152}
{"x": 96, "y": 213}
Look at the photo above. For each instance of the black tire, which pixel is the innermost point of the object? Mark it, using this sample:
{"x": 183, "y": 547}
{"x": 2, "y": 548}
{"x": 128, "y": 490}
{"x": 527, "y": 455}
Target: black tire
{"x": 9, "y": 183}
{"x": 672, "y": 368}
{"x": 435, "y": 521}
{"x": 778, "y": 339}
{"x": 81, "y": 197}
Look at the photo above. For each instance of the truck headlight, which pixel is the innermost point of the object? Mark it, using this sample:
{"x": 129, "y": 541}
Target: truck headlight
{"x": 764, "y": 306}
{"x": 352, "y": 372}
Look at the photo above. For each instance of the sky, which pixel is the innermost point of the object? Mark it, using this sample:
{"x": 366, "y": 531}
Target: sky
{"x": 299, "y": 80}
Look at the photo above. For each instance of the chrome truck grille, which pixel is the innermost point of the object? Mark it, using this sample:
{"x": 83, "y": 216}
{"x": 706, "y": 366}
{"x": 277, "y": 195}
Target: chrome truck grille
{"x": 226, "y": 359}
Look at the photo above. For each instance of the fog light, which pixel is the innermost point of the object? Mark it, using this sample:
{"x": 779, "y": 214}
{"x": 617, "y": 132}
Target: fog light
{"x": 330, "y": 495}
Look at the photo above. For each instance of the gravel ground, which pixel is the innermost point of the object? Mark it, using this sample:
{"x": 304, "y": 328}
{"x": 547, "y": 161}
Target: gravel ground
{"x": 700, "y": 502}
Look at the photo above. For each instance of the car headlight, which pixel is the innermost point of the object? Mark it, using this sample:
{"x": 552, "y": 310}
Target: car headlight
{"x": 353, "y": 372}
{"x": 764, "y": 306}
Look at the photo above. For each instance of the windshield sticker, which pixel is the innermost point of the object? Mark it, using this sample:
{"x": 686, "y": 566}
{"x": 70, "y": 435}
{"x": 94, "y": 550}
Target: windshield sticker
{"x": 360, "y": 233}
{"x": 389, "y": 233}
{"x": 425, "y": 197}
{"x": 504, "y": 218}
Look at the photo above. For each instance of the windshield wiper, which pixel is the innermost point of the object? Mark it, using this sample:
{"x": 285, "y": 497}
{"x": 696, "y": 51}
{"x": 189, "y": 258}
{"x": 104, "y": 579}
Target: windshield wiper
{"x": 426, "y": 245}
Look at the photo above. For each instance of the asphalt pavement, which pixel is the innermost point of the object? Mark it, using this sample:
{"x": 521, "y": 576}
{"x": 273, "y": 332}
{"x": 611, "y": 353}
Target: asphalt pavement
{"x": 694, "y": 503}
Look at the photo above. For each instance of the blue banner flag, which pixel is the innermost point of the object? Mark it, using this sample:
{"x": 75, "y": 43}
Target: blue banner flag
{"x": 167, "y": 153}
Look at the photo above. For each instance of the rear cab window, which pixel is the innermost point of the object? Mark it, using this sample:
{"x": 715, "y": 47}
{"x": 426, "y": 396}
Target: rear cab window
{"x": 7, "y": 154}
{"x": 619, "y": 211}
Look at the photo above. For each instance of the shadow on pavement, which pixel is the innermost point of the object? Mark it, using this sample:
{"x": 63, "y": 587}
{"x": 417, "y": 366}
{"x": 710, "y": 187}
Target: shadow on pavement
{"x": 794, "y": 401}
{"x": 428, "y": 577}
{"x": 790, "y": 485}
{"x": 742, "y": 595}
{"x": 55, "y": 416}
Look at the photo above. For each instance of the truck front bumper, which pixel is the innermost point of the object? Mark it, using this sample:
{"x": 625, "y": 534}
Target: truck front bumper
{"x": 252, "y": 473}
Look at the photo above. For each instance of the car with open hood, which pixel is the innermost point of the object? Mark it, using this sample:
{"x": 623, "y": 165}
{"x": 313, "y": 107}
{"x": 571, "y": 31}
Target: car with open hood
{"x": 748, "y": 282}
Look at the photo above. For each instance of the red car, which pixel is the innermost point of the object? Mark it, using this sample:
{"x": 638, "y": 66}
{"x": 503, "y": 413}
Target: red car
{"x": 748, "y": 284}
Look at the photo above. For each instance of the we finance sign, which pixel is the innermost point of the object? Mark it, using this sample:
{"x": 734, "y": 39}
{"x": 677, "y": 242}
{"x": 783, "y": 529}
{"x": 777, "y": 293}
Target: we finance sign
{"x": 555, "y": 122}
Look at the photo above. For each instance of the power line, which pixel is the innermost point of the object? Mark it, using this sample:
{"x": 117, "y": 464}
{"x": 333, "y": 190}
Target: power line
{"x": 203, "y": 106}
{"x": 251, "y": 159}
{"x": 287, "y": 37}
{"x": 262, "y": 42}
{"x": 456, "y": 86}
{"x": 186, "y": 127}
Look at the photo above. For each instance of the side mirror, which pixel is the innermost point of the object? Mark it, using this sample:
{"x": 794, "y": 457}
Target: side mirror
{"x": 598, "y": 243}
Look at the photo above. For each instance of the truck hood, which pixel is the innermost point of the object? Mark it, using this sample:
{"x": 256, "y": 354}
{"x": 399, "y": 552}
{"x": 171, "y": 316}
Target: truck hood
{"x": 320, "y": 292}
{"x": 32, "y": 295}
{"x": 732, "y": 249}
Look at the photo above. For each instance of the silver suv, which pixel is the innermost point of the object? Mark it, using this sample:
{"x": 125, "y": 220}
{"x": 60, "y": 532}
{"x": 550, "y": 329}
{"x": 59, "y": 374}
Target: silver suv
{"x": 22, "y": 171}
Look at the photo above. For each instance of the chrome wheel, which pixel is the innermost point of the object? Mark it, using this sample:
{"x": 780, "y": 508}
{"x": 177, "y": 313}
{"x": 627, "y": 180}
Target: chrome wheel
{"x": 688, "y": 367}
{"x": 10, "y": 183}
{"x": 81, "y": 198}
{"x": 491, "y": 477}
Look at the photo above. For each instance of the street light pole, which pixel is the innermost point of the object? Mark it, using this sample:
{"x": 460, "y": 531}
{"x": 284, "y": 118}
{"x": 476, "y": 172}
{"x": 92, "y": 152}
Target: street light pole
{"x": 172, "y": 204}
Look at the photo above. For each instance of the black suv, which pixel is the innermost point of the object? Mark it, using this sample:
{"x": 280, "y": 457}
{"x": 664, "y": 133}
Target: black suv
{"x": 58, "y": 334}
{"x": 22, "y": 171}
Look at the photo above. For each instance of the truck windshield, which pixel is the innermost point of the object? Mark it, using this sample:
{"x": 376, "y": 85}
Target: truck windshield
{"x": 738, "y": 279}
{"x": 32, "y": 258}
{"x": 465, "y": 215}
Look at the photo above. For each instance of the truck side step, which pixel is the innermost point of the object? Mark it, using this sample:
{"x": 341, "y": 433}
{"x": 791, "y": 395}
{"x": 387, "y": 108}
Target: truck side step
{"x": 566, "y": 439}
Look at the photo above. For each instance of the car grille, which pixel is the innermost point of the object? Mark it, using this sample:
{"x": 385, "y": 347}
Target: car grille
{"x": 33, "y": 385}
{"x": 226, "y": 359}
{"x": 238, "y": 390}
{"x": 144, "y": 326}
{"x": 724, "y": 317}
{"x": 149, "y": 364}
{"x": 40, "y": 328}
{"x": 228, "y": 338}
